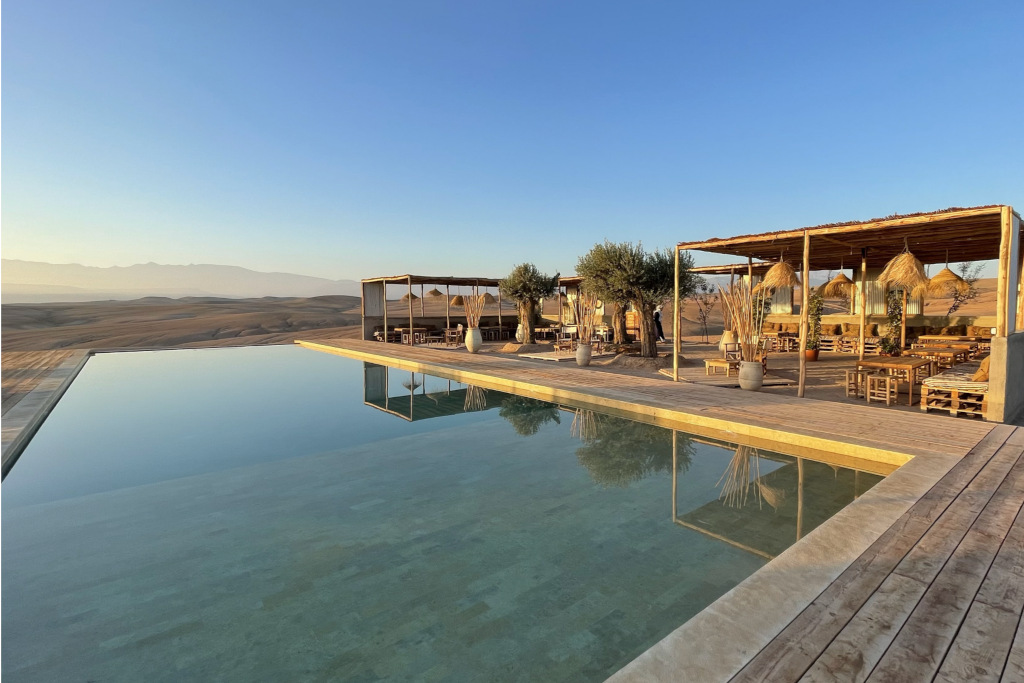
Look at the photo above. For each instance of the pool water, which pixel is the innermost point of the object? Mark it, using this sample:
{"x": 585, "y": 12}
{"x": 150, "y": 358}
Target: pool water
{"x": 276, "y": 513}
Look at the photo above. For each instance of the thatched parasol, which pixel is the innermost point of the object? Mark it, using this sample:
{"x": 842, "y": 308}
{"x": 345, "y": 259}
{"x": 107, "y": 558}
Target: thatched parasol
{"x": 407, "y": 296}
{"x": 489, "y": 298}
{"x": 434, "y": 293}
{"x": 946, "y": 281}
{"x": 904, "y": 272}
{"x": 838, "y": 287}
{"x": 457, "y": 300}
{"x": 779, "y": 275}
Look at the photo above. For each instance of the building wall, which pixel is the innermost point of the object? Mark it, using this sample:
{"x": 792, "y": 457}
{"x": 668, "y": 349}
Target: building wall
{"x": 1006, "y": 380}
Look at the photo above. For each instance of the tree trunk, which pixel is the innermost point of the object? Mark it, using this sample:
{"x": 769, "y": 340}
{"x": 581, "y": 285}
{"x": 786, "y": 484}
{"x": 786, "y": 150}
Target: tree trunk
{"x": 648, "y": 334}
{"x": 526, "y": 320}
{"x": 619, "y": 324}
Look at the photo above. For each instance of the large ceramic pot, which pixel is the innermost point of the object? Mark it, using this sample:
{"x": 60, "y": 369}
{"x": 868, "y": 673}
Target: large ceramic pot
{"x": 583, "y": 355}
{"x": 751, "y": 375}
{"x": 811, "y": 354}
{"x": 474, "y": 340}
{"x": 520, "y": 334}
{"x": 728, "y": 337}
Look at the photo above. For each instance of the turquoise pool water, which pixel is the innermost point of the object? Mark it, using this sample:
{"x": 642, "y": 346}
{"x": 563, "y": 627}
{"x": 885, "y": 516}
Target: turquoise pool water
{"x": 282, "y": 514}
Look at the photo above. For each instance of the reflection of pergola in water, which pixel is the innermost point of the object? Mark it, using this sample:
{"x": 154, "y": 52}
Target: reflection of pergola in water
{"x": 975, "y": 234}
{"x": 415, "y": 402}
{"x": 754, "y": 526}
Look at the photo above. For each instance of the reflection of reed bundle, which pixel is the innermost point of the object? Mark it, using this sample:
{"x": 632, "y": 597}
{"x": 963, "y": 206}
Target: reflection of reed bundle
{"x": 584, "y": 308}
{"x": 736, "y": 478}
{"x": 476, "y": 399}
{"x": 771, "y": 495}
{"x": 584, "y": 426}
{"x": 474, "y": 306}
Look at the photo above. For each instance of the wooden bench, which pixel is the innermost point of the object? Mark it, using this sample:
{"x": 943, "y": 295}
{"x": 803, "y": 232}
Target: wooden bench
{"x": 711, "y": 366}
{"x": 955, "y": 391}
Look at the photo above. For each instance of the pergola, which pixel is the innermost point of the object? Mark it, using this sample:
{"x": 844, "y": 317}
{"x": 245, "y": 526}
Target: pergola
{"x": 374, "y": 301}
{"x": 970, "y": 234}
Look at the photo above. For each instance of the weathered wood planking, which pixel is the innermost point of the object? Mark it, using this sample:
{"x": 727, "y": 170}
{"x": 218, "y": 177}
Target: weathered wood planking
{"x": 23, "y": 370}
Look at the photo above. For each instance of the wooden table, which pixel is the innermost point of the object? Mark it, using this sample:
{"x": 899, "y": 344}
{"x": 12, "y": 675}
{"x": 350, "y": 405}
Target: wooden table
{"x": 913, "y": 369}
{"x": 948, "y": 356}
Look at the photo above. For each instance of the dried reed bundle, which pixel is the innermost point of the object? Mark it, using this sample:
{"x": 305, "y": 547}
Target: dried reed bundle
{"x": 946, "y": 282}
{"x": 457, "y": 300}
{"x": 584, "y": 309}
{"x": 735, "y": 481}
{"x": 904, "y": 271}
{"x": 474, "y": 306}
{"x": 584, "y": 426}
{"x": 780, "y": 275}
{"x": 747, "y": 314}
{"x": 489, "y": 298}
{"x": 476, "y": 399}
{"x": 838, "y": 287}
{"x": 434, "y": 293}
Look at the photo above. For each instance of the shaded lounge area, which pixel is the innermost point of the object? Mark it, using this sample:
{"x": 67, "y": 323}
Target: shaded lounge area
{"x": 859, "y": 325}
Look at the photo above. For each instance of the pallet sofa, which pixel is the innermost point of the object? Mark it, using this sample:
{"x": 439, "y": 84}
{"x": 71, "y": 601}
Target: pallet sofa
{"x": 960, "y": 390}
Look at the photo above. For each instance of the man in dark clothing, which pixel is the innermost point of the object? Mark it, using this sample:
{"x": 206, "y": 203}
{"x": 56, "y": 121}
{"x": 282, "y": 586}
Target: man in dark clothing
{"x": 657, "y": 324}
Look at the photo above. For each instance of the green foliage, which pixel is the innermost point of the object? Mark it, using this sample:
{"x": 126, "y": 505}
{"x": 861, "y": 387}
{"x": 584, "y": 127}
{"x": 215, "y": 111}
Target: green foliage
{"x": 890, "y": 343}
{"x": 815, "y": 307}
{"x": 623, "y": 273}
{"x": 624, "y": 451}
{"x": 528, "y": 415}
{"x": 527, "y": 284}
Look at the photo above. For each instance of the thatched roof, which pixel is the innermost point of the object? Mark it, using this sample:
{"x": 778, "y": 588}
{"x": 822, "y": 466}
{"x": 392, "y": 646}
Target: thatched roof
{"x": 435, "y": 280}
{"x": 973, "y": 232}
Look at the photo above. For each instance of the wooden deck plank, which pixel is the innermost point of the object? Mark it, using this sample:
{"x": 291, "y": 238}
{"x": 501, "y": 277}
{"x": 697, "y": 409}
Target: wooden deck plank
{"x": 981, "y": 647}
{"x": 791, "y": 653}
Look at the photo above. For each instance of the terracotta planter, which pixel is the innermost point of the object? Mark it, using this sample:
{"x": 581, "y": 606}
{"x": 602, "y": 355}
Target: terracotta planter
{"x": 751, "y": 375}
{"x": 474, "y": 340}
{"x": 811, "y": 354}
{"x": 584, "y": 352}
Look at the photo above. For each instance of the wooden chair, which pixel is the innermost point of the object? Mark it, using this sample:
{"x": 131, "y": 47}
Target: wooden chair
{"x": 856, "y": 382}
{"x": 731, "y": 352}
{"x": 763, "y": 346}
{"x": 453, "y": 337}
{"x": 882, "y": 388}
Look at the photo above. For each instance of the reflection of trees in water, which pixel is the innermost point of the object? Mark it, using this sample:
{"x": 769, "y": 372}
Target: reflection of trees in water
{"x": 618, "y": 452}
{"x": 528, "y": 415}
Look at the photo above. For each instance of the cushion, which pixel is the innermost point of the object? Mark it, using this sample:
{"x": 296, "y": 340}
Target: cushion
{"x": 982, "y": 374}
{"x": 793, "y": 327}
{"x": 933, "y": 330}
{"x": 832, "y": 329}
{"x": 767, "y": 327}
{"x": 872, "y": 330}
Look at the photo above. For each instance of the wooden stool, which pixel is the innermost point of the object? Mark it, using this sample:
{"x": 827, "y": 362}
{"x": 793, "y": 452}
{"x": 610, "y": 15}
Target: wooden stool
{"x": 856, "y": 381}
{"x": 882, "y": 388}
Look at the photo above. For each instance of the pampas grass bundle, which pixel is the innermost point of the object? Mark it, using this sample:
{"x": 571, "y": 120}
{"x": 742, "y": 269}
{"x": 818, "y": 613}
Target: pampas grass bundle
{"x": 903, "y": 272}
{"x": 584, "y": 426}
{"x": 474, "y": 306}
{"x": 839, "y": 287}
{"x": 584, "y": 310}
{"x": 747, "y": 314}
{"x": 946, "y": 282}
{"x": 780, "y": 275}
{"x": 735, "y": 481}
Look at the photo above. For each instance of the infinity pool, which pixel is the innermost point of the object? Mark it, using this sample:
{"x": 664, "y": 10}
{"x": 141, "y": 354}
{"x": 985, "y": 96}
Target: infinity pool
{"x": 275, "y": 513}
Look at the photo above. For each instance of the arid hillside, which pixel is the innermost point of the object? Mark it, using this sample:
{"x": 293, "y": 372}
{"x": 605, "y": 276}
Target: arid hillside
{"x": 190, "y": 322}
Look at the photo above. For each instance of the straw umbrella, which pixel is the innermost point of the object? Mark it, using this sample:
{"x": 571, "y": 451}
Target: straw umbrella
{"x": 840, "y": 286}
{"x": 489, "y": 298}
{"x": 457, "y": 300}
{"x": 946, "y": 282}
{"x": 434, "y": 293}
{"x": 904, "y": 272}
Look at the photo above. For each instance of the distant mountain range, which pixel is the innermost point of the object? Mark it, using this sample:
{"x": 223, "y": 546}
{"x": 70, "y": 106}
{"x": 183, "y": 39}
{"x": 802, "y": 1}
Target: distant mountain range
{"x": 36, "y": 282}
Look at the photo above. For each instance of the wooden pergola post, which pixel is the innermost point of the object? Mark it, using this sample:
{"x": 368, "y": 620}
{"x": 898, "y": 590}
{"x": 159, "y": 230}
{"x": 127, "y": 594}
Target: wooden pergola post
{"x": 500, "y": 332}
{"x": 1006, "y": 289}
{"x": 422, "y": 314}
{"x": 410, "y": 311}
{"x": 675, "y": 334}
{"x": 805, "y": 289}
{"x": 863, "y": 299}
{"x": 384, "y": 286}
{"x": 448, "y": 306}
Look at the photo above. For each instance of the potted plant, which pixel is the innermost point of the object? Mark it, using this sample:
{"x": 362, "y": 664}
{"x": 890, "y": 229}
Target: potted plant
{"x": 584, "y": 308}
{"x": 815, "y": 305}
{"x": 890, "y": 344}
{"x": 474, "y": 307}
{"x": 747, "y": 313}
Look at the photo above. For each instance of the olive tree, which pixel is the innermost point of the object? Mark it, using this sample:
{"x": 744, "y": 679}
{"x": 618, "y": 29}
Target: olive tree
{"x": 624, "y": 272}
{"x": 526, "y": 286}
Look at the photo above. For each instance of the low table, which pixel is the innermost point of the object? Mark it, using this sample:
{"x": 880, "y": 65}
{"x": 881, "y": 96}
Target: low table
{"x": 913, "y": 370}
{"x": 711, "y": 366}
{"x": 946, "y": 356}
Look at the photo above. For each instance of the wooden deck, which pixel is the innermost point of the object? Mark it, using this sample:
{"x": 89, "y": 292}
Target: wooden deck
{"x": 22, "y": 372}
{"x": 936, "y": 595}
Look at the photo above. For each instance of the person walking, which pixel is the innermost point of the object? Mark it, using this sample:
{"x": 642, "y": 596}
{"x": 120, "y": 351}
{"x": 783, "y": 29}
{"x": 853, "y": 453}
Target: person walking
{"x": 657, "y": 324}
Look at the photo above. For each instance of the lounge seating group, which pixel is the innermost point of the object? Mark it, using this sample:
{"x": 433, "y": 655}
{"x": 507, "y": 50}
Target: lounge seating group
{"x": 960, "y": 390}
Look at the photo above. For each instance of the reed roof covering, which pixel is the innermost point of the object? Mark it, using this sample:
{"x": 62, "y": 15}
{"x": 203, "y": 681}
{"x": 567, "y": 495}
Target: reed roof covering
{"x": 973, "y": 232}
{"x": 759, "y": 268}
{"x": 435, "y": 280}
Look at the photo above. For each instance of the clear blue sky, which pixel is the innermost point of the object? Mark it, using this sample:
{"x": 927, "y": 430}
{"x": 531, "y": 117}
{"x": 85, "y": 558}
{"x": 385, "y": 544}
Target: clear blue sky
{"x": 360, "y": 138}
